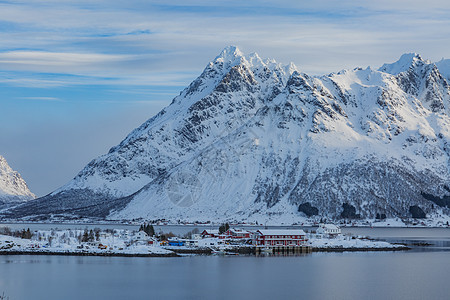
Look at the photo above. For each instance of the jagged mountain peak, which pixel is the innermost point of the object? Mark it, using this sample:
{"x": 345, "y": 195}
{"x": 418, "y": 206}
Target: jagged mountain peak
{"x": 232, "y": 56}
{"x": 403, "y": 64}
{"x": 229, "y": 53}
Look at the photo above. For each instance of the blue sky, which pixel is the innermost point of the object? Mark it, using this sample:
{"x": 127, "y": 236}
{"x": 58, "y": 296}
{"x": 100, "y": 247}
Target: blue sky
{"x": 77, "y": 76}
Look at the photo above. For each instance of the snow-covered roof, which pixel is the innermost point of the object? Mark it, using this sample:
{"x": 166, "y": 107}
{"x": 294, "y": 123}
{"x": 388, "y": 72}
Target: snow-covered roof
{"x": 329, "y": 226}
{"x": 211, "y": 231}
{"x": 237, "y": 230}
{"x": 142, "y": 233}
{"x": 281, "y": 232}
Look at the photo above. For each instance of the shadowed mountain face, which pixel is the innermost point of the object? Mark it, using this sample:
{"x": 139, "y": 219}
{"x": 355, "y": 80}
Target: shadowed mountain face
{"x": 13, "y": 189}
{"x": 251, "y": 139}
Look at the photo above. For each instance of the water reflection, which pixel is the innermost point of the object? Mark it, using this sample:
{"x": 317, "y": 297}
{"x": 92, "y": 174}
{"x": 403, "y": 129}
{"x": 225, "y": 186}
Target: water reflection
{"x": 280, "y": 254}
{"x": 418, "y": 274}
{"x": 377, "y": 275}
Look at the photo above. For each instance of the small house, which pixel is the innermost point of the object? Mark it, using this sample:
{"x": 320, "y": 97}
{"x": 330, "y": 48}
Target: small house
{"x": 197, "y": 236}
{"x": 151, "y": 241}
{"x": 191, "y": 242}
{"x": 328, "y": 230}
{"x": 235, "y": 233}
{"x": 210, "y": 233}
{"x": 141, "y": 236}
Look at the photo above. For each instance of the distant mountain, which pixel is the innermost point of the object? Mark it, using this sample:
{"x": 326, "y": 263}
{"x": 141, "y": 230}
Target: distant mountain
{"x": 444, "y": 67}
{"x": 251, "y": 139}
{"x": 13, "y": 189}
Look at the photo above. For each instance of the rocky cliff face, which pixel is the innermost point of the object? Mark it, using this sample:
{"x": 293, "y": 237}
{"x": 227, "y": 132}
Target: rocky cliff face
{"x": 251, "y": 139}
{"x": 13, "y": 189}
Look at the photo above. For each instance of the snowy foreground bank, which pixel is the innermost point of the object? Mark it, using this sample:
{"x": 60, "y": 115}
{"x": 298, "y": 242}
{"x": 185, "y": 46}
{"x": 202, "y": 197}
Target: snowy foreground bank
{"x": 349, "y": 243}
{"x": 126, "y": 243}
{"x": 71, "y": 242}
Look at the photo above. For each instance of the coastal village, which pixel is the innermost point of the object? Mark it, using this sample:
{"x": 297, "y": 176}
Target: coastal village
{"x": 223, "y": 241}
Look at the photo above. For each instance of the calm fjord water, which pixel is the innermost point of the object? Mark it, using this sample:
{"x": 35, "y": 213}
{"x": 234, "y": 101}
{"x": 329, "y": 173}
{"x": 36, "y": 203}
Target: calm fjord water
{"x": 422, "y": 273}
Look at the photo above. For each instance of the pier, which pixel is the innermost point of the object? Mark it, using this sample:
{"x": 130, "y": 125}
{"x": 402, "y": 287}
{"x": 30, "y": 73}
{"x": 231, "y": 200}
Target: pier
{"x": 283, "y": 249}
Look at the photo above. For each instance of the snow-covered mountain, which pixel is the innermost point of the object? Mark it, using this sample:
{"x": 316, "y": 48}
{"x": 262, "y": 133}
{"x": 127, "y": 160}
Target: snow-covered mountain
{"x": 251, "y": 139}
{"x": 13, "y": 189}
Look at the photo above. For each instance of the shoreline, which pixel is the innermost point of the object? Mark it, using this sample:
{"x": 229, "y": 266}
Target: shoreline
{"x": 208, "y": 252}
{"x": 17, "y": 252}
{"x": 338, "y": 249}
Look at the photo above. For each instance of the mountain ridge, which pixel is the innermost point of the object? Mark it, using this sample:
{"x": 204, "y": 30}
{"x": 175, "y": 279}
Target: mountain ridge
{"x": 253, "y": 139}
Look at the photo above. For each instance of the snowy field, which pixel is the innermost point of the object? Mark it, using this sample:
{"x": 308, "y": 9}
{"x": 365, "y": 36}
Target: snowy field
{"x": 349, "y": 242}
{"x": 70, "y": 241}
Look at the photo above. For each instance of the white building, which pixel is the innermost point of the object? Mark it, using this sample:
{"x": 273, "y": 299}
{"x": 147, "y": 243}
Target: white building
{"x": 191, "y": 242}
{"x": 141, "y": 236}
{"x": 196, "y": 236}
{"x": 328, "y": 230}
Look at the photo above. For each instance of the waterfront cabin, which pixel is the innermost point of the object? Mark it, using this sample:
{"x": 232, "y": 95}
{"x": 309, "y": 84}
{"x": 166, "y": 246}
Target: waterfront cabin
{"x": 152, "y": 241}
{"x": 141, "y": 236}
{"x": 196, "y": 236}
{"x": 234, "y": 233}
{"x": 328, "y": 230}
{"x": 210, "y": 233}
{"x": 280, "y": 238}
{"x": 191, "y": 242}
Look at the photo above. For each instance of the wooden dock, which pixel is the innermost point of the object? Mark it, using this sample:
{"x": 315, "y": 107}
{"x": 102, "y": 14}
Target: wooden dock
{"x": 283, "y": 250}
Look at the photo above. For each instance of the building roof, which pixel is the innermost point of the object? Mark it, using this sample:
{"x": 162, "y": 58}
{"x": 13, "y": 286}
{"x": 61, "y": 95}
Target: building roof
{"x": 329, "y": 226}
{"x": 141, "y": 233}
{"x": 237, "y": 230}
{"x": 211, "y": 231}
{"x": 281, "y": 232}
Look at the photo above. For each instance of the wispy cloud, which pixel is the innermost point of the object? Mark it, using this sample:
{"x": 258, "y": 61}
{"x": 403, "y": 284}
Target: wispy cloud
{"x": 41, "y": 98}
{"x": 43, "y": 58}
{"x": 107, "y": 37}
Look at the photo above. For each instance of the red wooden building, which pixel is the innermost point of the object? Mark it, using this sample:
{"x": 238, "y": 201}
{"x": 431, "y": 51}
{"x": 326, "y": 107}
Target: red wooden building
{"x": 210, "y": 233}
{"x": 235, "y": 233}
{"x": 280, "y": 237}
